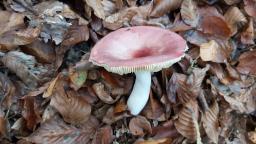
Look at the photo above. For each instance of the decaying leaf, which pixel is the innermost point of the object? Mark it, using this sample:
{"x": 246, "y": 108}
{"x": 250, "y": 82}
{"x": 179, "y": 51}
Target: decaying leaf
{"x": 77, "y": 78}
{"x": 210, "y": 122}
{"x": 212, "y": 22}
{"x": 96, "y": 5}
{"x": 252, "y": 136}
{"x": 19, "y": 36}
{"x": 103, "y": 135}
{"x": 103, "y": 94}
{"x": 247, "y": 63}
{"x": 8, "y": 91}
{"x": 140, "y": 126}
{"x": 161, "y": 7}
{"x": 185, "y": 122}
{"x": 189, "y": 12}
{"x": 213, "y": 51}
{"x": 250, "y": 7}
{"x": 4, "y": 126}
{"x": 43, "y": 52}
{"x": 76, "y": 34}
{"x": 10, "y": 20}
{"x": 57, "y": 131}
{"x": 234, "y": 17}
{"x": 231, "y": 2}
{"x": 24, "y": 66}
{"x": 31, "y": 112}
{"x": 154, "y": 141}
{"x": 247, "y": 36}
{"x": 70, "y": 105}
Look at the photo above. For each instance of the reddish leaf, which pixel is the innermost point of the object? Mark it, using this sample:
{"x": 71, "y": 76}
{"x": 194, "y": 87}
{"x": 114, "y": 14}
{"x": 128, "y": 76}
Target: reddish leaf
{"x": 139, "y": 126}
{"x": 250, "y": 7}
{"x": 247, "y": 63}
{"x": 247, "y": 36}
{"x": 71, "y": 106}
{"x": 31, "y": 112}
{"x": 103, "y": 135}
{"x": 56, "y": 131}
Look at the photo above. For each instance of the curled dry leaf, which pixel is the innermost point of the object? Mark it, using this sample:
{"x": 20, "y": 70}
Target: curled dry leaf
{"x": 247, "y": 63}
{"x": 103, "y": 94}
{"x": 76, "y": 34}
{"x": 233, "y": 17}
{"x": 30, "y": 112}
{"x": 43, "y": 52}
{"x": 213, "y": 51}
{"x": 23, "y": 66}
{"x": 97, "y": 6}
{"x": 154, "y": 110}
{"x": 103, "y": 135}
{"x": 210, "y": 122}
{"x": 56, "y": 131}
{"x": 111, "y": 117}
{"x": 154, "y": 141}
{"x": 189, "y": 12}
{"x": 161, "y": 7}
{"x": 10, "y": 20}
{"x": 167, "y": 130}
{"x": 70, "y": 105}
{"x": 19, "y": 36}
{"x": 250, "y": 7}
{"x": 247, "y": 36}
{"x": 139, "y": 126}
{"x": 7, "y": 91}
{"x": 185, "y": 124}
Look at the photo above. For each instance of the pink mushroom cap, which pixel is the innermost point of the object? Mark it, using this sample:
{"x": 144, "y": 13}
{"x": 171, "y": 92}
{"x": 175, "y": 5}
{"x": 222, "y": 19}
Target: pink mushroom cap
{"x": 139, "y": 48}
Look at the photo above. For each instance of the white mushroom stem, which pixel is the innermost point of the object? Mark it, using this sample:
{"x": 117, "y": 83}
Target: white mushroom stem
{"x": 140, "y": 93}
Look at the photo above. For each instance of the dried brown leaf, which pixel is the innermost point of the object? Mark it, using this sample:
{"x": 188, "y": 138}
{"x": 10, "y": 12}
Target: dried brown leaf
{"x": 231, "y": 2}
{"x": 247, "y": 36}
{"x": 252, "y": 136}
{"x": 167, "y": 130}
{"x": 56, "y": 131}
{"x": 212, "y": 51}
{"x": 76, "y": 34}
{"x": 4, "y": 126}
{"x": 111, "y": 117}
{"x": 154, "y": 110}
{"x": 69, "y": 104}
{"x": 50, "y": 88}
{"x": 30, "y": 112}
{"x": 213, "y": 23}
{"x": 161, "y": 7}
{"x": 43, "y": 52}
{"x": 210, "y": 122}
{"x": 244, "y": 102}
{"x": 185, "y": 123}
{"x": 247, "y": 63}
{"x": 154, "y": 141}
{"x": 189, "y": 12}
{"x": 140, "y": 126}
{"x": 233, "y": 17}
{"x": 23, "y": 65}
{"x": 97, "y": 6}
{"x": 250, "y": 7}
{"x": 19, "y": 36}
{"x": 7, "y": 90}
{"x": 103, "y": 135}
{"x": 103, "y": 94}
{"x": 10, "y": 20}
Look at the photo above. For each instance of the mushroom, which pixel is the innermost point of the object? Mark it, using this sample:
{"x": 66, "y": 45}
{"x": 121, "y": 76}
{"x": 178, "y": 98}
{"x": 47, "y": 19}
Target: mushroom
{"x": 141, "y": 50}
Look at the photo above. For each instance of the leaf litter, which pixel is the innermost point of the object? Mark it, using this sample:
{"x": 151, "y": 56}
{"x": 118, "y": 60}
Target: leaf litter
{"x": 51, "y": 93}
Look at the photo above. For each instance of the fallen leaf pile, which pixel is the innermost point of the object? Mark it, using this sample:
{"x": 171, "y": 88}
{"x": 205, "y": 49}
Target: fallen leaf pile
{"x": 51, "y": 93}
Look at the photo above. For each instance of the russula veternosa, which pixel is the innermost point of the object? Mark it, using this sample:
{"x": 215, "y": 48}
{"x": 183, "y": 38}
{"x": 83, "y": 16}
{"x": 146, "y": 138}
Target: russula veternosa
{"x": 142, "y": 50}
